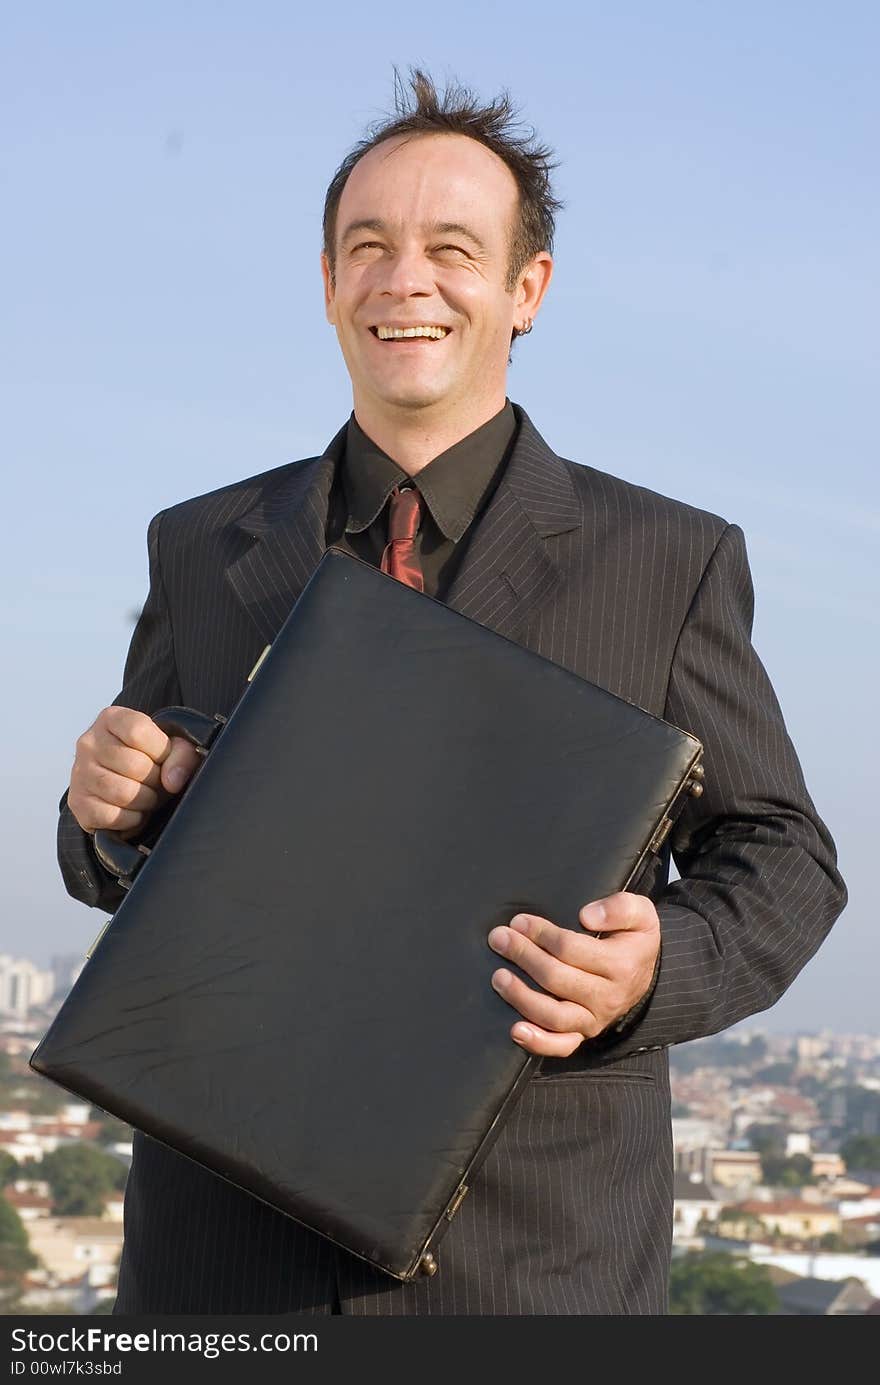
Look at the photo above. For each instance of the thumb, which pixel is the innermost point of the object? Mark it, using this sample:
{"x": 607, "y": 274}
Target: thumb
{"x": 619, "y": 913}
{"x": 178, "y": 765}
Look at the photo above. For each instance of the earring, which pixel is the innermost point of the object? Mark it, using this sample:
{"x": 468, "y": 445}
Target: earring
{"x": 526, "y": 327}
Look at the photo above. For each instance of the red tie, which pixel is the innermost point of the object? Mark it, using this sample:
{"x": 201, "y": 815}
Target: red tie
{"x": 400, "y": 557}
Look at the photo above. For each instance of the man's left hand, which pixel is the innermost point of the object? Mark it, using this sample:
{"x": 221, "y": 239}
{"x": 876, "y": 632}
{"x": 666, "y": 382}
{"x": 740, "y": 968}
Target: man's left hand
{"x": 588, "y": 981}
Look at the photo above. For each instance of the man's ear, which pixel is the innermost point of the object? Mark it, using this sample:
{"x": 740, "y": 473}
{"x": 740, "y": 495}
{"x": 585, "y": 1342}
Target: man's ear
{"x": 329, "y": 290}
{"x": 533, "y": 283}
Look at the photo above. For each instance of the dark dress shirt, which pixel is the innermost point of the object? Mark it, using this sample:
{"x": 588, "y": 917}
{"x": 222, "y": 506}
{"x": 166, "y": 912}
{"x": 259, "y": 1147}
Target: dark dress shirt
{"x": 456, "y": 485}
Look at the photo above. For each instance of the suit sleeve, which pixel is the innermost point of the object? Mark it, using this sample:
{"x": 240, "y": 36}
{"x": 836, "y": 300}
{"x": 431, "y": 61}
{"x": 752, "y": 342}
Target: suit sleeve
{"x": 149, "y": 682}
{"x": 759, "y": 886}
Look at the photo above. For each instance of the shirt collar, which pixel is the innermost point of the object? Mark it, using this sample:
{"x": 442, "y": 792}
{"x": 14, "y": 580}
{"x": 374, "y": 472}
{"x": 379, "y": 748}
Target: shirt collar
{"x": 453, "y": 484}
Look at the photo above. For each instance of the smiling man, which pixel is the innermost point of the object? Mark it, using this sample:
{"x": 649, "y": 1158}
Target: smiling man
{"x": 424, "y": 306}
{"x": 438, "y": 235}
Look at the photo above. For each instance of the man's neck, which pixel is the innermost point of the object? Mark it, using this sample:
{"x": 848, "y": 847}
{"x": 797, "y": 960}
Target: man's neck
{"x": 414, "y": 439}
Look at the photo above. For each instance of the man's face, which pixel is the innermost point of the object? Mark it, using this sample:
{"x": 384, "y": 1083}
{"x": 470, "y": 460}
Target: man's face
{"x": 423, "y": 240}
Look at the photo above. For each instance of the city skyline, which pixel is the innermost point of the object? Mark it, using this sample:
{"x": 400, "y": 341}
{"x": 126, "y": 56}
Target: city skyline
{"x": 776, "y": 1147}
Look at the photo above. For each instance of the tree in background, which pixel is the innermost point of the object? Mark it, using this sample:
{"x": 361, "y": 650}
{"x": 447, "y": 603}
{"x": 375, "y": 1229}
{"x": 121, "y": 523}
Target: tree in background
{"x": 81, "y": 1177}
{"x": 777, "y": 1168}
{"x": 112, "y": 1130}
{"x": 720, "y": 1285}
{"x": 16, "y": 1256}
{"x": 10, "y": 1169}
{"x": 861, "y": 1152}
{"x": 794, "y": 1172}
{"x": 832, "y": 1240}
{"x": 768, "y": 1138}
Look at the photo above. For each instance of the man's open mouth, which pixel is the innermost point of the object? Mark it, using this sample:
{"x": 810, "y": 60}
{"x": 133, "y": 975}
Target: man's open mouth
{"x": 429, "y": 331}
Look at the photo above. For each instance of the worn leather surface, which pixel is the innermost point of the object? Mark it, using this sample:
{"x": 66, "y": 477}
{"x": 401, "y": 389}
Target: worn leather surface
{"x": 295, "y": 992}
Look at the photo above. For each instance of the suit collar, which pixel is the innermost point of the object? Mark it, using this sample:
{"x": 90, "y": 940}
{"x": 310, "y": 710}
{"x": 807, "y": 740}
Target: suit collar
{"x": 453, "y": 484}
{"x": 506, "y": 572}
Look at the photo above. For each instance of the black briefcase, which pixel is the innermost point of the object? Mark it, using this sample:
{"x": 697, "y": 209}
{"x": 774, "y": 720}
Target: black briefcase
{"x": 295, "y": 991}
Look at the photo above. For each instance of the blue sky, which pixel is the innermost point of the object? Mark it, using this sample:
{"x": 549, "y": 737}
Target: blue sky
{"x": 711, "y": 332}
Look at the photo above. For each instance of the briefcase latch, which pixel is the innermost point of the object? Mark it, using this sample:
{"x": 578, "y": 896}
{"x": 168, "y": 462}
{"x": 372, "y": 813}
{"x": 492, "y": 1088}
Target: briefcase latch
{"x": 695, "y": 781}
{"x": 253, "y": 673}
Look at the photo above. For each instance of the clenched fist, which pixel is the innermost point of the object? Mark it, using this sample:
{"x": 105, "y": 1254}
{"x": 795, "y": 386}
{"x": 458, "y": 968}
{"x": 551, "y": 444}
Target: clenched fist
{"x": 125, "y": 768}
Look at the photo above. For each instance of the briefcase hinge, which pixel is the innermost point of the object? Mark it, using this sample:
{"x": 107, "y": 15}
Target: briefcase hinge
{"x": 660, "y": 835}
{"x": 456, "y": 1202}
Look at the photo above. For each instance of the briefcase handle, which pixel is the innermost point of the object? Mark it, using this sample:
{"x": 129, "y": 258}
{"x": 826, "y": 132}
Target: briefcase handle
{"x": 124, "y": 858}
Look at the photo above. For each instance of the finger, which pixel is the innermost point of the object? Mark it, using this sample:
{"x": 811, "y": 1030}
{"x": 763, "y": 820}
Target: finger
{"x": 131, "y": 764}
{"x": 568, "y": 981}
{"x": 137, "y": 730}
{"x": 558, "y": 1016}
{"x": 118, "y": 792}
{"x": 571, "y": 948}
{"x": 180, "y": 764}
{"x": 97, "y": 816}
{"x": 619, "y": 913}
{"x": 543, "y": 1043}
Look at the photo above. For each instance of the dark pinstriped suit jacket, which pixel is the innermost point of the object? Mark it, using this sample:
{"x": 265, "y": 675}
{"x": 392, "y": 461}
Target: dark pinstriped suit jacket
{"x": 649, "y": 598}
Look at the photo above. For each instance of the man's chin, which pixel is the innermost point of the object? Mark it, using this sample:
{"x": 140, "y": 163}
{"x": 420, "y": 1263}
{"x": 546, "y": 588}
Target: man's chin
{"x": 420, "y": 395}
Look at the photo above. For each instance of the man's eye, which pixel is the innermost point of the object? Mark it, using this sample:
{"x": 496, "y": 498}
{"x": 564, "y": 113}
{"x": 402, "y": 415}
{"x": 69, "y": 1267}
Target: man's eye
{"x": 366, "y": 245}
{"x": 457, "y": 248}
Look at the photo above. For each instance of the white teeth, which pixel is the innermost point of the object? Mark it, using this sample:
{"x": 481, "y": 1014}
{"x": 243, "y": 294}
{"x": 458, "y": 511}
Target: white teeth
{"x": 398, "y": 333}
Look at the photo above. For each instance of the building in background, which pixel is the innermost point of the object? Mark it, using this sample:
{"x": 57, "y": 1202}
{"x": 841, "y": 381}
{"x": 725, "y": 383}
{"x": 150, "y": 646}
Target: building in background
{"x": 65, "y": 969}
{"x": 23, "y": 986}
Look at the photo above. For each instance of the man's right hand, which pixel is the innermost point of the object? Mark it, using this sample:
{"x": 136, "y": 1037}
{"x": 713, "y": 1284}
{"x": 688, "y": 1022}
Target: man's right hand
{"x": 125, "y": 768}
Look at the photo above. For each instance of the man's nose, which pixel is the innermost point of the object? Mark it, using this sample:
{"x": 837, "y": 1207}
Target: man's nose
{"x": 408, "y": 273}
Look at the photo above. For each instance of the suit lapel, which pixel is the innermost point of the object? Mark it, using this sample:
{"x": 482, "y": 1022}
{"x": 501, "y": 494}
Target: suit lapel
{"x": 289, "y": 526}
{"x": 506, "y": 573}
